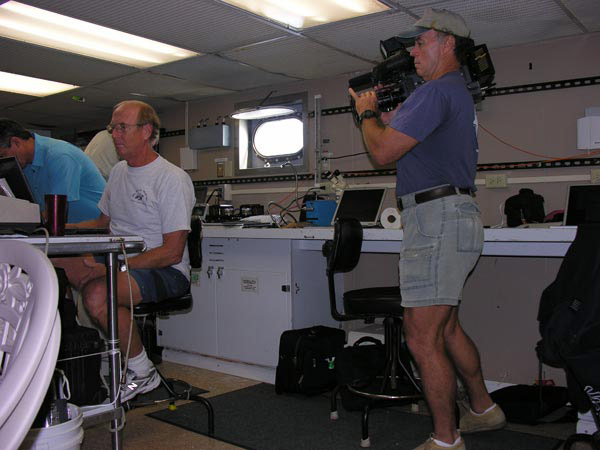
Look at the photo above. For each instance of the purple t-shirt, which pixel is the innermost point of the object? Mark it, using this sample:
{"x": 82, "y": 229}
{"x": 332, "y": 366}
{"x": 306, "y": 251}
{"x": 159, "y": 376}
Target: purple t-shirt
{"x": 440, "y": 114}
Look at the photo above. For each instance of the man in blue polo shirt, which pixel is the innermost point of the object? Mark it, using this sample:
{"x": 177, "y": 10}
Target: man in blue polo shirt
{"x": 54, "y": 167}
{"x": 432, "y": 137}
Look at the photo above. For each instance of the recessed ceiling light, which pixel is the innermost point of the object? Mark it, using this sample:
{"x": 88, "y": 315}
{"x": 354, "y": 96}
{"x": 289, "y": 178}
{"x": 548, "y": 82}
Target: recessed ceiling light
{"x": 37, "y": 26}
{"x": 300, "y": 14}
{"x": 36, "y": 87}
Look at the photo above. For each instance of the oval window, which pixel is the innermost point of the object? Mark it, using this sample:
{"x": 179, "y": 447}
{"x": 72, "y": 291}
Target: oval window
{"x": 279, "y": 138}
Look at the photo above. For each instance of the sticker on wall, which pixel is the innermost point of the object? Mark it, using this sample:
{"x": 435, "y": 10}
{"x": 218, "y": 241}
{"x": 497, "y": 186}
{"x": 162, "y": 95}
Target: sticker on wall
{"x": 250, "y": 284}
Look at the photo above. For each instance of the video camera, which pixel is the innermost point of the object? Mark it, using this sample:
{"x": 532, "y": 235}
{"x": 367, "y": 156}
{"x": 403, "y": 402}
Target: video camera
{"x": 396, "y": 77}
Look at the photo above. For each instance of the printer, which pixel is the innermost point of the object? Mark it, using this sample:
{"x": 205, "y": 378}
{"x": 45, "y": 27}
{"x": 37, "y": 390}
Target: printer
{"x": 16, "y": 213}
{"x": 18, "y": 210}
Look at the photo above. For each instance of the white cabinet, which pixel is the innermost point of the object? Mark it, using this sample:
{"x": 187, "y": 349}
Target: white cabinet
{"x": 196, "y": 330}
{"x": 252, "y": 312}
{"x": 245, "y": 296}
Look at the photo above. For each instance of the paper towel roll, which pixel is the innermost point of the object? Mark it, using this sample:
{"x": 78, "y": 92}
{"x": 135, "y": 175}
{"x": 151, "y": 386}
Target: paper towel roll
{"x": 390, "y": 219}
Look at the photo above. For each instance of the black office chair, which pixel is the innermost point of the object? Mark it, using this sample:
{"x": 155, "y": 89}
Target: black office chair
{"x": 146, "y": 313}
{"x": 397, "y": 382}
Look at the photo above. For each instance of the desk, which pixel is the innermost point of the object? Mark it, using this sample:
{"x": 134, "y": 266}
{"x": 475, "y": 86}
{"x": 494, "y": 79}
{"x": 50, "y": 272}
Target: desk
{"x": 110, "y": 246}
{"x": 552, "y": 242}
{"x": 256, "y": 283}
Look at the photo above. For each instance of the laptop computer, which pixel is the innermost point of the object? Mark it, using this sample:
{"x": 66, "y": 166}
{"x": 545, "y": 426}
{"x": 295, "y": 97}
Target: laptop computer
{"x": 16, "y": 183}
{"x": 583, "y": 205}
{"x": 363, "y": 204}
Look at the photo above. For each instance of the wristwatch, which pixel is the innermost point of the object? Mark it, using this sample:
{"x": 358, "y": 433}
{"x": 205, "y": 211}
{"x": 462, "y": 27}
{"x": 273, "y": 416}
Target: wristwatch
{"x": 367, "y": 114}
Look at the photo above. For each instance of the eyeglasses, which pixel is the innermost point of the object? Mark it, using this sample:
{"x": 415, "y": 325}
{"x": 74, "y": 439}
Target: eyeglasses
{"x": 122, "y": 127}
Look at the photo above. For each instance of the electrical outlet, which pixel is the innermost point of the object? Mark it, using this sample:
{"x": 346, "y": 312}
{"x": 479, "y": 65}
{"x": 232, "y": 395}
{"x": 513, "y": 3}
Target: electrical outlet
{"x": 496, "y": 181}
{"x": 595, "y": 176}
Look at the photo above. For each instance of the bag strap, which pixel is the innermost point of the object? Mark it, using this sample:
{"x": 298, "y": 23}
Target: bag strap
{"x": 369, "y": 339}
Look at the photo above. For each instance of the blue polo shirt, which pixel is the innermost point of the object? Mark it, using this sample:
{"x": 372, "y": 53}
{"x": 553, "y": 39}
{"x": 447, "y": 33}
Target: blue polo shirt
{"x": 61, "y": 168}
{"x": 440, "y": 114}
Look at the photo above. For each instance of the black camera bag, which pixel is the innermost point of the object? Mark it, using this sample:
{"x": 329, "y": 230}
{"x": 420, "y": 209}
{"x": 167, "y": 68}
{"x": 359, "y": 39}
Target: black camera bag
{"x": 525, "y": 207}
{"x": 359, "y": 365}
{"x": 307, "y": 359}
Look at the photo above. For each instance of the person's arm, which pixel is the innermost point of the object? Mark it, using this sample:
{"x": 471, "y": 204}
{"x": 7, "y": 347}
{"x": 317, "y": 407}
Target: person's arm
{"x": 385, "y": 144}
{"x": 101, "y": 222}
{"x": 168, "y": 254}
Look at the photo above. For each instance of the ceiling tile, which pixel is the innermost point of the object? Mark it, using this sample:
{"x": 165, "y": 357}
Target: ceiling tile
{"x": 220, "y": 72}
{"x": 586, "y": 11}
{"x": 8, "y": 99}
{"x": 361, "y": 36}
{"x": 155, "y": 85}
{"x": 298, "y": 57}
{"x": 511, "y": 22}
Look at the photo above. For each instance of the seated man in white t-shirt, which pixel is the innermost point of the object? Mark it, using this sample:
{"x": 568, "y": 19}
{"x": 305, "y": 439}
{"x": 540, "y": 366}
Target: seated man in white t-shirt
{"x": 146, "y": 196}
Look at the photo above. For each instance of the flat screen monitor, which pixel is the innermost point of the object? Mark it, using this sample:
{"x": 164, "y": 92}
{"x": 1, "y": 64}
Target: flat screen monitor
{"x": 583, "y": 204}
{"x": 13, "y": 178}
{"x": 362, "y": 204}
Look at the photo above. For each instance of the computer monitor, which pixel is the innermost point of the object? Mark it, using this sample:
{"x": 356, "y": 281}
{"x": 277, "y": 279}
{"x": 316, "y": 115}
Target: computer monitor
{"x": 583, "y": 204}
{"x": 362, "y": 204}
{"x": 13, "y": 178}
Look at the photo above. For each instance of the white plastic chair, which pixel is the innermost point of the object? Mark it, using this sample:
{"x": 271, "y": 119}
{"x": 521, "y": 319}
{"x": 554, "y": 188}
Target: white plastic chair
{"x": 29, "y": 336}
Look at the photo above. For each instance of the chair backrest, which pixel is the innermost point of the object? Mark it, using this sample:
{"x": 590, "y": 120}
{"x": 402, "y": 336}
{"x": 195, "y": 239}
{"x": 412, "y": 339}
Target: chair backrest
{"x": 29, "y": 336}
{"x": 343, "y": 252}
{"x": 194, "y": 242}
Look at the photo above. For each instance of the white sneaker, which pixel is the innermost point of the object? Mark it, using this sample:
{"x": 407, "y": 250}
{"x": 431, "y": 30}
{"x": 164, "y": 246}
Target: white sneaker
{"x": 135, "y": 384}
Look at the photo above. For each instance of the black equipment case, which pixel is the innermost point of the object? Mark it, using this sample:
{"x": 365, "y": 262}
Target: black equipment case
{"x": 76, "y": 341}
{"x": 83, "y": 373}
{"x": 307, "y": 360}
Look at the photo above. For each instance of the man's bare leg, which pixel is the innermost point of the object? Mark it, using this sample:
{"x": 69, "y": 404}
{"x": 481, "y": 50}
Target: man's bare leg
{"x": 465, "y": 357}
{"x": 424, "y": 329}
{"x": 94, "y": 297}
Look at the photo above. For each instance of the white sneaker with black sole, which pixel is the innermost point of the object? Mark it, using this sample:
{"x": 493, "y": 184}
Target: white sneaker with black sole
{"x": 135, "y": 384}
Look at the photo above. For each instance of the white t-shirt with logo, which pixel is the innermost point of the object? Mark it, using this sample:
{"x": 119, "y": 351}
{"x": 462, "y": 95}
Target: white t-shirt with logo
{"x": 149, "y": 201}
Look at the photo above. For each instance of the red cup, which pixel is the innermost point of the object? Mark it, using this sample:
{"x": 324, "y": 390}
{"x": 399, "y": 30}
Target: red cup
{"x": 56, "y": 213}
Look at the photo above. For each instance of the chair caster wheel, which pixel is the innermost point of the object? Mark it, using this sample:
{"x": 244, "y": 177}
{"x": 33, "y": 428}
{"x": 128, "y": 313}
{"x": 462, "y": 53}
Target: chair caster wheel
{"x": 365, "y": 443}
{"x": 334, "y": 415}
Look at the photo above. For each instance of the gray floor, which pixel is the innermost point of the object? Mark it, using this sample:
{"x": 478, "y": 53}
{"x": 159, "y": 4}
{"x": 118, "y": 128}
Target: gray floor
{"x": 142, "y": 432}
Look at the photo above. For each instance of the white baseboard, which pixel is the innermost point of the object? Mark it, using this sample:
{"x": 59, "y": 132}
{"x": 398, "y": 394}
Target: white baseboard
{"x": 252, "y": 372}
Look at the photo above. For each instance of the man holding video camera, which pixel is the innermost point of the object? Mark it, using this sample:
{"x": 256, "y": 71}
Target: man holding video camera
{"x": 432, "y": 137}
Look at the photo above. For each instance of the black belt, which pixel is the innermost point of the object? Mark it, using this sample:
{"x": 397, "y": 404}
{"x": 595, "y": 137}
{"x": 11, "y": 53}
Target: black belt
{"x": 432, "y": 194}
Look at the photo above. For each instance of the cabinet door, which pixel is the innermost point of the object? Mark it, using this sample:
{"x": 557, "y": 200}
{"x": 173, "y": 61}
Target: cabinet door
{"x": 196, "y": 330}
{"x": 253, "y": 309}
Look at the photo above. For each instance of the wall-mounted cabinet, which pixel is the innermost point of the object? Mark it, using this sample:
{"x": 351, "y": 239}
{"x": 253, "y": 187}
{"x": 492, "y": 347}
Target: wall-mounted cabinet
{"x": 215, "y": 136}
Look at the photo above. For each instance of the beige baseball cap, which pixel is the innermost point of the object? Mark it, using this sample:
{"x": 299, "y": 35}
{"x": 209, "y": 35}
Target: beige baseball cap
{"x": 439, "y": 20}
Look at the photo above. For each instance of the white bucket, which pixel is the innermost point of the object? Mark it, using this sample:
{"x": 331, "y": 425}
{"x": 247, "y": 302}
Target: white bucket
{"x": 64, "y": 436}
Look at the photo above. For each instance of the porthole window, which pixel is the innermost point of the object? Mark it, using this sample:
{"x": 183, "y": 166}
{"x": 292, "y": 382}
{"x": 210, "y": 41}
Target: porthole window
{"x": 263, "y": 145}
{"x": 279, "y": 137}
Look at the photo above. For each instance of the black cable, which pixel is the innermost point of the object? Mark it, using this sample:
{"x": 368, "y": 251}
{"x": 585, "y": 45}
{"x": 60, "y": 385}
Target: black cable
{"x": 211, "y": 194}
{"x": 345, "y": 156}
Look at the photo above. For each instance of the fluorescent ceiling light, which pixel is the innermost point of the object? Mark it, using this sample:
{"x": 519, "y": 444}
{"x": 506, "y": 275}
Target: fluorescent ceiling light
{"x": 300, "y": 14}
{"x": 37, "y": 87}
{"x": 37, "y": 26}
{"x": 262, "y": 112}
